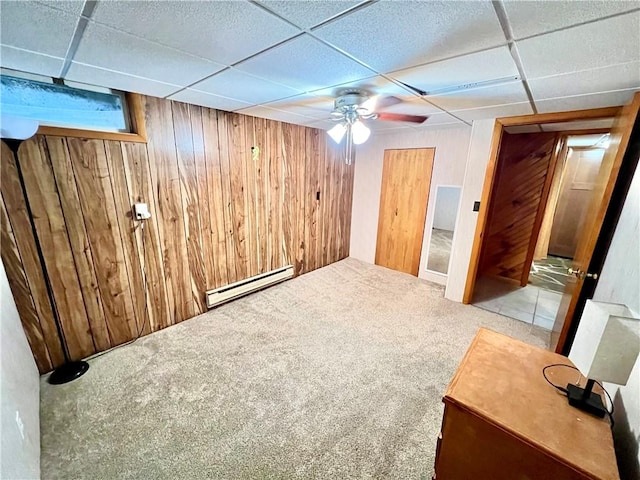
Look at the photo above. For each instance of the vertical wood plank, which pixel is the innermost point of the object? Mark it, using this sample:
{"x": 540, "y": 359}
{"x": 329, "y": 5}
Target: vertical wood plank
{"x": 217, "y": 207}
{"x": 204, "y": 197}
{"x": 52, "y": 233}
{"x": 348, "y": 200}
{"x": 138, "y": 179}
{"x": 190, "y": 203}
{"x": 82, "y": 255}
{"x": 127, "y": 228}
{"x": 300, "y": 162}
{"x": 250, "y": 186}
{"x": 289, "y": 224}
{"x": 262, "y": 194}
{"x": 276, "y": 195}
{"x": 224, "y": 119}
{"x": 238, "y": 195}
{"x": 18, "y": 219}
{"x": 22, "y": 294}
{"x": 89, "y": 160}
{"x": 166, "y": 183}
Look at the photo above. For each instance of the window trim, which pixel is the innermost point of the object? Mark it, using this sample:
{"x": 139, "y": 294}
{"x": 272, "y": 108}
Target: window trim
{"x": 135, "y": 108}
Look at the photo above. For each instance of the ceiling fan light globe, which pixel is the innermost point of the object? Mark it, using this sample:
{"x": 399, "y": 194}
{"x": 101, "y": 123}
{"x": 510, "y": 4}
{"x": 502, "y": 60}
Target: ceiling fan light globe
{"x": 360, "y": 132}
{"x": 337, "y": 132}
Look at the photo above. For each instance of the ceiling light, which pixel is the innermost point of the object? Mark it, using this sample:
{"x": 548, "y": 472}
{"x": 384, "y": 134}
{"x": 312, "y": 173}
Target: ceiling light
{"x": 360, "y": 132}
{"x": 337, "y": 132}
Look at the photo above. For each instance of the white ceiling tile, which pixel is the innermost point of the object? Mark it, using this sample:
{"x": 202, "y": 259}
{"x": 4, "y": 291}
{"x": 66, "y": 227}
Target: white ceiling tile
{"x": 114, "y": 50}
{"x": 393, "y": 35}
{"x": 607, "y": 42}
{"x": 273, "y": 114}
{"x": 504, "y": 94}
{"x": 580, "y": 125}
{"x": 196, "y": 97}
{"x": 300, "y": 13}
{"x": 377, "y": 126}
{"x": 233, "y": 83}
{"x": 307, "y": 104}
{"x": 582, "y": 102}
{"x": 119, "y": 81}
{"x": 605, "y": 79}
{"x": 321, "y": 124}
{"x": 31, "y": 62}
{"x": 71, "y": 6}
{"x": 523, "y": 108}
{"x": 304, "y": 64}
{"x": 473, "y": 68}
{"x": 534, "y": 17}
{"x": 225, "y": 32}
{"x": 35, "y": 27}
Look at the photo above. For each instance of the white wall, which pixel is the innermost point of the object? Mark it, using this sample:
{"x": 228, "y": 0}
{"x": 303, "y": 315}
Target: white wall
{"x": 19, "y": 392}
{"x": 451, "y": 146}
{"x": 620, "y": 283}
{"x": 446, "y": 210}
{"x": 476, "y": 164}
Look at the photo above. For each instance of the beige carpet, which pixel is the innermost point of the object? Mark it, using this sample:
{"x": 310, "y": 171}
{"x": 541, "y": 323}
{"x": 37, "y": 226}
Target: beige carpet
{"x": 336, "y": 374}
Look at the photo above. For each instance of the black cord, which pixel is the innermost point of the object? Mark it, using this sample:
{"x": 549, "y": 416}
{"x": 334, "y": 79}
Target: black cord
{"x": 146, "y": 302}
{"x": 557, "y": 387}
{"x": 565, "y": 391}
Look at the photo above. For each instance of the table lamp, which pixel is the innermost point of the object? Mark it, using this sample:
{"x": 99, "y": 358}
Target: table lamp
{"x": 606, "y": 348}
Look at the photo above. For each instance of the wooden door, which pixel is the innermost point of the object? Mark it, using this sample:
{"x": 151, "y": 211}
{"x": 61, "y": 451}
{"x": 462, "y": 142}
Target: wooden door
{"x": 572, "y": 302}
{"x": 526, "y": 164}
{"x": 406, "y": 178}
{"x": 578, "y": 182}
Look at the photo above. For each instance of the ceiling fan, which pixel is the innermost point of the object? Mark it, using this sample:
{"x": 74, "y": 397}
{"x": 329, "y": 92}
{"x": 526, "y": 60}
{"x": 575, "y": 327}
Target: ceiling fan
{"x": 353, "y": 106}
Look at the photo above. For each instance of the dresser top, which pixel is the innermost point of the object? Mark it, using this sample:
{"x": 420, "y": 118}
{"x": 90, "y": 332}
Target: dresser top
{"x": 500, "y": 380}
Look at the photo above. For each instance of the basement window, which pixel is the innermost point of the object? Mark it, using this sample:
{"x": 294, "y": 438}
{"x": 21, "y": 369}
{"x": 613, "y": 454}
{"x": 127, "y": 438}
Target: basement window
{"x": 57, "y": 105}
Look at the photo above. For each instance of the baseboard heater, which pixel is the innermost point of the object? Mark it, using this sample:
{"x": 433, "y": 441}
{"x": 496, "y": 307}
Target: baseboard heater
{"x": 247, "y": 286}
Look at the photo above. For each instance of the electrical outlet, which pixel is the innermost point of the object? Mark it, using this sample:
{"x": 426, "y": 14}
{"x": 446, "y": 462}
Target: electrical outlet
{"x": 20, "y": 424}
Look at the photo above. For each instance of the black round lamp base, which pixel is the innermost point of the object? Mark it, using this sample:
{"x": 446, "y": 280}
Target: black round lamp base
{"x": 68, "y": 372}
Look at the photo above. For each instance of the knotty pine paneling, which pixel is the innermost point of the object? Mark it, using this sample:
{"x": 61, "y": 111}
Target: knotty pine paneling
{"x": 219, "y": 214}
{"x": 523, "y": 178}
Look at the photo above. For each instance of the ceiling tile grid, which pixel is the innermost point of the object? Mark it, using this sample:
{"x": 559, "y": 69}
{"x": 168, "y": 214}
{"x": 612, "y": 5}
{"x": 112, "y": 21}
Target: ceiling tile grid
{"x": 392, "y": 35}
{"x": 287, "y": 60}
{"x": 222, "y": 31}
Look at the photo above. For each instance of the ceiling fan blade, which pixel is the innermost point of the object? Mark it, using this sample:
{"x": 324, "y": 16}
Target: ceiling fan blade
{"x": 400, "y": 117}
{"x": 386, "y": 102}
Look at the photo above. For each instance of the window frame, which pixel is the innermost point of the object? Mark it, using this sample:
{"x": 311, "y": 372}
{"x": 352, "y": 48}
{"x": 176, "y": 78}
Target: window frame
{"x": 135, "y": 110}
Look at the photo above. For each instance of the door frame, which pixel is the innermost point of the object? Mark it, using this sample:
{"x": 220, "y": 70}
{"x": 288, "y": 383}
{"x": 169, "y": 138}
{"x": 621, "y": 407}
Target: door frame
{"x": 490, "y": 174}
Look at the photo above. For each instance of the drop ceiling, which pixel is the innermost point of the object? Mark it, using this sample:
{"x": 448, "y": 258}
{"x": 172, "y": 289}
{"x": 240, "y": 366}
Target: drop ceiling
{"x": 285, "y": 60}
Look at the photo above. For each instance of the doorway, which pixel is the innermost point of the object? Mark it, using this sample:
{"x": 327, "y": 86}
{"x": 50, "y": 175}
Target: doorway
{"x": 604, "y": 203}
{"x": 406, "y": 179}
{"x": 536, "y": 225}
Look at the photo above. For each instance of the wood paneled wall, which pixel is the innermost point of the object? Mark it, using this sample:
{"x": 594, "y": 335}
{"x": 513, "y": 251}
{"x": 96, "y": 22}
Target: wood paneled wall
{"x": 230, "y": 196}
{"x": 523, "y": 178}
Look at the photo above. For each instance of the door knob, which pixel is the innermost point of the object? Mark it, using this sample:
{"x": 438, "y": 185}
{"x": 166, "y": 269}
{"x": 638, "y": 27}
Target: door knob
{"x": 582, "y": 275}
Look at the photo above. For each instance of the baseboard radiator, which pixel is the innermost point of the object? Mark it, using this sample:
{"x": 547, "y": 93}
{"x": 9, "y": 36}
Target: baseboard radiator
{"x": 247, "y": 286}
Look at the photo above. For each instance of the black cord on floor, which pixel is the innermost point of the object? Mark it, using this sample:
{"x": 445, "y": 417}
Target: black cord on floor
{"x": 146, "y": 302}
{"x": 565, "y": 391}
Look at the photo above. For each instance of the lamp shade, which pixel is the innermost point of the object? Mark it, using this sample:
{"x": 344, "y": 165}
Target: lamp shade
{"x": 360, "y": 132}
{"x": 337, "y": 132}
{"x": 17, "y": 128}
{"x": 607, "y": 342}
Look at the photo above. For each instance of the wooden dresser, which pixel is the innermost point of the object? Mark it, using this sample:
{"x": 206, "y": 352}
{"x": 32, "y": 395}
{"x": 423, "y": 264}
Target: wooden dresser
{"x": 502, "y": 420}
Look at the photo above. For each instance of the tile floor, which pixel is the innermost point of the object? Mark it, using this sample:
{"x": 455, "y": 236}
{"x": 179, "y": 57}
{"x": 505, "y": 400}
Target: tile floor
{"x": 530, "y": 304}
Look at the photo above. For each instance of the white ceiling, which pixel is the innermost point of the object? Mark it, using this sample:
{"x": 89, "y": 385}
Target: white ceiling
{"x": 285, "y": 60}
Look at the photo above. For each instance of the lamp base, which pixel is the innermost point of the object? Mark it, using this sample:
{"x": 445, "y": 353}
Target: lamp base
{"x": 68, "y": 372}
{"x": 586, "y": 400}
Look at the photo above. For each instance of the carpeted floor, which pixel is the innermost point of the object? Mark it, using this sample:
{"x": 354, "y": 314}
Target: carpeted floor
{"x": 336, "y": 374}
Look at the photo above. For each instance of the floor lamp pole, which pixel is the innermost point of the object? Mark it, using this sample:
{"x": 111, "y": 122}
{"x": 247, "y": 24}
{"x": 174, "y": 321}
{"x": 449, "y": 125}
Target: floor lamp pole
{"x": 70, "y": 370}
